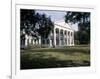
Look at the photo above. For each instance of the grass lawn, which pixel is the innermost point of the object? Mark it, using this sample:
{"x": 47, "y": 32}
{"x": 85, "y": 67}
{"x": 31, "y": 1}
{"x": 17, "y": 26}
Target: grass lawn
{"x": 35, "y": 58}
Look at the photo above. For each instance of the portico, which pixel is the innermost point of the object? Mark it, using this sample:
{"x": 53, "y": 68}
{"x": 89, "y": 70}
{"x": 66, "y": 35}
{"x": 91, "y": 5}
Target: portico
{"x": 63, "y": 34}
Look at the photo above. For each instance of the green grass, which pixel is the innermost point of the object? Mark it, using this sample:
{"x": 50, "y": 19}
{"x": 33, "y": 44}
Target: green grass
{"x": 55, "y": 57}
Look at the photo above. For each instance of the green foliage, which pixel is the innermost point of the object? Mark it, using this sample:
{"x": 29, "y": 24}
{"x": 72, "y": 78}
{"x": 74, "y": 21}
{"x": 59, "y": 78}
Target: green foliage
{"x": 28, "y": 19}
{"x": 74, "y": 17}
{"x": 83, "y": 20}
{"x": 76, "y": 38}
{"x": 46, "y": 26}
{"x": 35, "y": 24}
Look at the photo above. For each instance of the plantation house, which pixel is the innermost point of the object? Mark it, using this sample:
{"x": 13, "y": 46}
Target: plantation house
{"x": 62, "y": 35}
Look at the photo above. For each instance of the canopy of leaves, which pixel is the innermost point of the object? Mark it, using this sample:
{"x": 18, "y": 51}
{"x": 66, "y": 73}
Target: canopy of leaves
{"x": 35, "y": 24}
{"x": 77, "y": 17}
{"x": 83, "y": 21}
{"x": 45, "y": 26}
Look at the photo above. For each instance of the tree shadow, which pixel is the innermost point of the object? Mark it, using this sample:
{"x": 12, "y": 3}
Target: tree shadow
{"x": 39, "y": 62}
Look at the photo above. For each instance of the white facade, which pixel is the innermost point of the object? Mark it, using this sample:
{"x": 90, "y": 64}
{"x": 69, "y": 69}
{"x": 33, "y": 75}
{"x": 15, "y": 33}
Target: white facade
{"x": 62, "y": 35}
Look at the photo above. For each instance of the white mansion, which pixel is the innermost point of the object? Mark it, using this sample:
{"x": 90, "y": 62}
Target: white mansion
{"x": 62, "y": 35}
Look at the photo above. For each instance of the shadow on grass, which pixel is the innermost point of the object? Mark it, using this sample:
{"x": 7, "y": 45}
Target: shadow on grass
{"x": 85, "y": 50}
{"x": 38, "y": 62}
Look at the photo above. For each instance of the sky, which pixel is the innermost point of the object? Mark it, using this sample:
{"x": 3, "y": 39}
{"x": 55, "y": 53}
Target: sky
{"x": 56, "y": 16}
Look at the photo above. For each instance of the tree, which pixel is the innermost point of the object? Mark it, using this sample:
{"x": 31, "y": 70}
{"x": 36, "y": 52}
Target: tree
{"x": 28, "y": 20}
{"x": 76, "y": 37}
{"x": 45, "y": 26}
{"x": 35, "y": 24}
{"x": 83, "y": 20}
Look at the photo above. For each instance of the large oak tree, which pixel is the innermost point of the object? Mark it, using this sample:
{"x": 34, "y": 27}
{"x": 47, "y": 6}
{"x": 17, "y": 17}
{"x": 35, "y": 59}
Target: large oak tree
{"x": 35, "y": 24}
{"x": 83, "y": 21}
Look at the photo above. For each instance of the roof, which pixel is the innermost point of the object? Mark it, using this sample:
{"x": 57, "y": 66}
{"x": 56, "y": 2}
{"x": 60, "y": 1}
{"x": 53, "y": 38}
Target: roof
{"x": 63, "y": 24}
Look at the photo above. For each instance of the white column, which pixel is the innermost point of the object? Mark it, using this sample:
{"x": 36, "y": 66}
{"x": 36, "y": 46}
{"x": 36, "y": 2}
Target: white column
{"x": 73, "y": 38}
{"x": 70, "y": 38}
{"x": 29, "y": 39}
{"x": 59, "y": 38}
{"x": 50, "y": 39}
{"x": 67, "y": 39}
{"x": 26, "y": 40}
{"x": 39, "y": 41}
{"x": 50, "y": 42}
{"x": 64, "y": 38}
{"x": 54, "y": 37}
{"x": 33, "y": 41}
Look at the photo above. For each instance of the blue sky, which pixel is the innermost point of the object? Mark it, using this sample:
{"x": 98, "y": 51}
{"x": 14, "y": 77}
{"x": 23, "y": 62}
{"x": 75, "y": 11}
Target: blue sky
{"x": 56, "y": 16}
